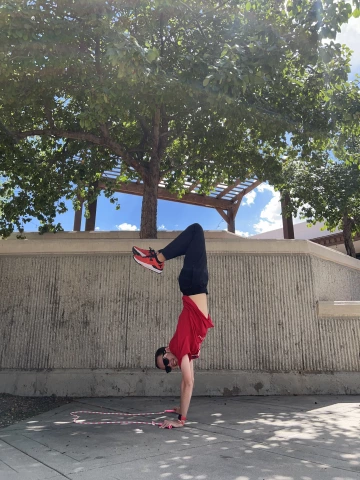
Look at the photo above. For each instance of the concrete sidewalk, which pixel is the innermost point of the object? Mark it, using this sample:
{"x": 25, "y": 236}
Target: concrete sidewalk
{"x": 237, "y": 438}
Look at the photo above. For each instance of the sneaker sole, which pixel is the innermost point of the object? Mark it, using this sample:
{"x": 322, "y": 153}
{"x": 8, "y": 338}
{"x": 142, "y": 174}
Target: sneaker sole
{"x": 146, "y": 265}
{"x": 137, "y": 252}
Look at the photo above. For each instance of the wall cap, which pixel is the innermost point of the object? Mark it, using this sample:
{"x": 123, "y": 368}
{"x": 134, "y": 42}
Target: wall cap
{"x": 337, "y": 309}
{"x": 64, "y": 243}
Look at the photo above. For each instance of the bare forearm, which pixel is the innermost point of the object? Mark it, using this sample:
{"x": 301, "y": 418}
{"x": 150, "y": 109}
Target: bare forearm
{"x": 186, "y": 393}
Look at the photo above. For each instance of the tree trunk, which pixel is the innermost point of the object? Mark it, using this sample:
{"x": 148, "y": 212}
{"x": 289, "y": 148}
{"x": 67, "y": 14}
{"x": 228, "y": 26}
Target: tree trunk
{"x": 78, "y": 216}
{"x": 347, "y": 231}
{"x": 151, "y": 178}
{"x": 287, "y": 220}
{"x": 149, "y": 203}
{"x": 91, "y": 221}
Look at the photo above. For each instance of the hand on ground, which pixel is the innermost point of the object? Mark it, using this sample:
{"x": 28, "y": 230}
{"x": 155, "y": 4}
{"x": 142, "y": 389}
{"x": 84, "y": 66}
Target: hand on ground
{"x": 171, "y": 424}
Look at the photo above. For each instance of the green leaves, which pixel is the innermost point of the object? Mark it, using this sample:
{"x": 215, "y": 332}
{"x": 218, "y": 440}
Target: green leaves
{"x": 207, "y": 80}
{"x": 324, "y": 190}
{"x": 152, "y": 54}
{"x": 232, "y": 81}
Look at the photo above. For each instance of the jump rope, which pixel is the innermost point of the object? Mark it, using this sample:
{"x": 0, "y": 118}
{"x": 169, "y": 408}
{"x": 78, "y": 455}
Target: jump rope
{"x": 76, "y": 418}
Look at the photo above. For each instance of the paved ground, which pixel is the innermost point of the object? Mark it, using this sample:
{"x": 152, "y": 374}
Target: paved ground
{"x": 239, "y": 438}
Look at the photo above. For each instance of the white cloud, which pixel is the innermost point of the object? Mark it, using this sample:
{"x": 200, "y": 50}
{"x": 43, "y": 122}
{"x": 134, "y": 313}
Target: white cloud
{"x": 350, "y": 35}
{"x": 126, "y": 226}
{"x": 161, "y": 227}
{"x": 249, "y": 198}
{"x": 242, "y": 234}
{"x": 270, "y": 216}
{"x": 264, "y": 186}
{"x": 97, "y": 228}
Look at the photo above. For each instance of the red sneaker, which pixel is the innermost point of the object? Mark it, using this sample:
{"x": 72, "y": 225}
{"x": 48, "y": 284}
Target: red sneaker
{"x": 142, "y": 252}
{"x": 150, "y": 262}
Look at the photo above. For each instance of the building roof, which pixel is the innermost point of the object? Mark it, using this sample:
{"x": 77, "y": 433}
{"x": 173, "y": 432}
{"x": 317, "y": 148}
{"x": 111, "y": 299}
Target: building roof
{"x": 302, "y": 231}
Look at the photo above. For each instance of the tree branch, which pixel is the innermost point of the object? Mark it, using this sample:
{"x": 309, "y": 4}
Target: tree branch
{"x": 174, "y": 164}
{"x": 107, "y": 142}
{"x": 97, "y": 56}
{"x": 163, "y": 132}
{"x": 145, "y": 138}
{"x": 196, "y": 20}
{"x": 104, "y": 130}
{"x": 144, "y": 126}
{"x": 161, "y": 34}
{"x": 214, "y": 9}
{"x": 49, "y": 116}
{"x": 156, "y": 133}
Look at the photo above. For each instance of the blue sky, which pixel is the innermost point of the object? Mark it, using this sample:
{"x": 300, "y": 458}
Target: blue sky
{"x": 177, "y": 216}
{"x": 259, "y": 212}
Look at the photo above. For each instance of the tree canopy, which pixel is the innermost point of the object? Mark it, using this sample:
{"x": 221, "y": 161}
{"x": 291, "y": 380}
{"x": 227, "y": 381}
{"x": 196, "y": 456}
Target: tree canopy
{"x": 203, "y": 90}
{"x": 346, "y": 143}
{"x": 326, "y": 191}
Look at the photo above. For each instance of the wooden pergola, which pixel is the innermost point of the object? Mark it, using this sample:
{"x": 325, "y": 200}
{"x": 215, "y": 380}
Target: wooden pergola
{"x": 226, "y": 199}
{"x": 333, "y": 239}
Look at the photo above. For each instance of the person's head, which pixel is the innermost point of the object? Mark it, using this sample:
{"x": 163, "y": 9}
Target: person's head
{"x": 165, "y": 360}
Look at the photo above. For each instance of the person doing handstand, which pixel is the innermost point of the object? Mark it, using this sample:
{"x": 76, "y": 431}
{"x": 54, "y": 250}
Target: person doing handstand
{"x": 194, "y": 320}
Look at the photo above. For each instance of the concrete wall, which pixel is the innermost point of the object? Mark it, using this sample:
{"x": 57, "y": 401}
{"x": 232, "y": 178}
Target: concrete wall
{"x": 79, "y": 317}
{"x": 334, "y": 281}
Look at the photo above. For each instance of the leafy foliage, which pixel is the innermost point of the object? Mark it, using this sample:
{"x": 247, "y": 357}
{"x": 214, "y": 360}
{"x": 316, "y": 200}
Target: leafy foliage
{"x": 326, "y": 191}
{"x": 200, "y": 90}
{"x": 346, "y": 143}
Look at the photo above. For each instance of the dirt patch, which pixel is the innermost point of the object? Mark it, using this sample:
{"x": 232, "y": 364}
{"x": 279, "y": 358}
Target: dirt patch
{"x": 13, "y": 408}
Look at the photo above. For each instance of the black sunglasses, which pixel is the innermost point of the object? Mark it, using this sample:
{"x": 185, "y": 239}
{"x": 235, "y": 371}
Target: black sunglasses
{"x": 166, "y": 363}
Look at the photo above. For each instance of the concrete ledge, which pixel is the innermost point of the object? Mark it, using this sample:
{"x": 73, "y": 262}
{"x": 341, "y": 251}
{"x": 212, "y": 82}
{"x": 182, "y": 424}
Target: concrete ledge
{"x": 339, "y": 309}
{"x": 224, "y": 383}
{"x": 118, "y": 234}
{"x": 65, "y": 243}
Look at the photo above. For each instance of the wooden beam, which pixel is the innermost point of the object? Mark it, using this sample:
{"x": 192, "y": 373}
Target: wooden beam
{"x": 333, "y": 239}
{"x": 231, "y": 224}
{"x": 229, "y": 188}
{"x": 247, "y": 190}
{"x": 236, "y": 206}
{"x": 232, "y": 212}
{"x": 163, "y": 194}
{"x": 223, "y": 214}
{"x": 191, "y": 188}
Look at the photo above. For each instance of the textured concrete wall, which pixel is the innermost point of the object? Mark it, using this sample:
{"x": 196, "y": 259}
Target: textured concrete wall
{"x": 135, "y": 382}
{"x": 99, "y": 311}
{"x": 339, "y": 337}
{"x": 333, "y": 281}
